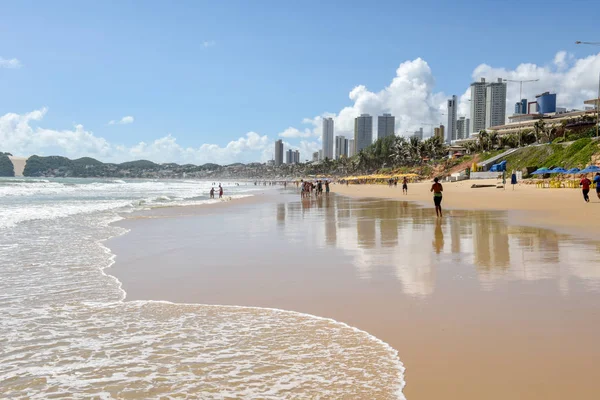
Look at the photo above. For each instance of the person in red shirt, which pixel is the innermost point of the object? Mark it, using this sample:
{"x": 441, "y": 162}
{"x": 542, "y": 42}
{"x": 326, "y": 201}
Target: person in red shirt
{"x": 585, "y": 188}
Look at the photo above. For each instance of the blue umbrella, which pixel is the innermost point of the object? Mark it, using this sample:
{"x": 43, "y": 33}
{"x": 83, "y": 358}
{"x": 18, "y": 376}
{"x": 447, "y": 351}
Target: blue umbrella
{"x": 573, "y": 171}
{"x": 558, "y": 170}
{"x": 541, "y": 171}
{"x": 590, "y": 169}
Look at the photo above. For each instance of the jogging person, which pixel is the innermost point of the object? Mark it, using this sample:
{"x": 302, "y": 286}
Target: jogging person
{"x": 437, "y": 190}
{"x": 585, "y": 188}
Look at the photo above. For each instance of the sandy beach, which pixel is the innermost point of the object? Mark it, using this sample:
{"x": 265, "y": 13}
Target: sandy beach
{"x": 562, "y": 209}
{"x": 477, "y": 304}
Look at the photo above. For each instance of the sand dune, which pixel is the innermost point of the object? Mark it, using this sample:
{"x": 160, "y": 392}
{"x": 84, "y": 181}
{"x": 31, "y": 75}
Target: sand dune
{"x": 19, "y": 164}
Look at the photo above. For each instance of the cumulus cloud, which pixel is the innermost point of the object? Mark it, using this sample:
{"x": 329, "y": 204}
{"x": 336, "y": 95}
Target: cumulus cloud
{"x": 410, "y": 96}
{"x": 412, "y": 99}
{"x": 19, "y": 136}
{"x": 123, "y": 121}
{"x": 10, "y": 63}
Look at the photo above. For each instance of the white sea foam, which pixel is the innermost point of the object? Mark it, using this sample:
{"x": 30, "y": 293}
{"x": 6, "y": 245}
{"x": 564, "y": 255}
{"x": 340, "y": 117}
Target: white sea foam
{"x": 66, "y": 330}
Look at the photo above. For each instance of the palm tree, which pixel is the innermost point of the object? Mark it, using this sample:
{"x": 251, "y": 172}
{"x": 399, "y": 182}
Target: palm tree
{"x": 539, "y": 129}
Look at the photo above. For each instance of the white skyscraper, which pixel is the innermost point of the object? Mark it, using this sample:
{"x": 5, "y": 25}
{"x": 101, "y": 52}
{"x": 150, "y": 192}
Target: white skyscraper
{"x": 495, "y": 103}
{"x": 341, "y": 147}
{"x": 467, "y": 128}
{"x": 363, "y": 132}
{"x": 452, "y": 105}
{"x": 327, "y": 138}
{"x": 279, "y": 152}
{"x": 351, "y": 148}
{"x": 385, "y": 125}
{"x": 478, "y": 92}
{"x": 461, "y": 128}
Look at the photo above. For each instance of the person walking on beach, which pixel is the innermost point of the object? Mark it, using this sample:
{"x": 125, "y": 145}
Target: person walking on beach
{"x": 405, "y": 185}
{"x": 212, "y": 192}
{"x": 327, "y": 188}
{"x": 585, "y": 188}
{"x": 437, "y": 190}
{"x": 220, "y": 191}
{"x": 597, "y": 182}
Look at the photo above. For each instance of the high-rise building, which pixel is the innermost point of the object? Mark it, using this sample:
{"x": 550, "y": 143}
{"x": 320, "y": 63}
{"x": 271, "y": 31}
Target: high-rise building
{"x": 452, "y": 105}
{"x": 439, "y": 133}
{"x": 546, "y": 103}
{"x": 278, "y": 152}
{"x": 521, "y": 107}
{"x": 315, "y": 156}
{"x": 461, "y": 128}
{"x": 351, "y": 148}
{"x": 296, "y": 157}
{"x": 419, "y": 134}
{"x": 327, "y": 138}
{"x": 289, "y": 156}
{"x": 363, "y": 132}
{"x": 467, "y": 128}
{"x": 385, "y": 125}
{"x": 478, "y": 105}
{"x": 341, "y": 147}
{"x": 321, "y": 155}
{"x": 495, "y": 103}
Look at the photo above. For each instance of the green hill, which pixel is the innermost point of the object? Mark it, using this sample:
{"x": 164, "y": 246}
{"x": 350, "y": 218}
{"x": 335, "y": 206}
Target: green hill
{"x": 142, "y": 164}
{"x": 40, "y": 166}
{"x": 6, "y": 166}
{"x": 577, "y": 154}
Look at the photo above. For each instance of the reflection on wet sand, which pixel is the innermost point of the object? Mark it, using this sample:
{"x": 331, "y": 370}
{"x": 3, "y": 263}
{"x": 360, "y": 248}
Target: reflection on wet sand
{"x": 393, "y": 234}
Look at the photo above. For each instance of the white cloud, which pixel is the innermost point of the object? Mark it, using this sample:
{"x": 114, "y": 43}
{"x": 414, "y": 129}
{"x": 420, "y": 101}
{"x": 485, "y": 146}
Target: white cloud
{"x": 11, "y": 63}
{"x": 209, "y": 43}
{"x": 19, "y": 136}
{"x": 123, "y": 121}
{"x": 410, "y": 96}
{"x": 295, "y": 133}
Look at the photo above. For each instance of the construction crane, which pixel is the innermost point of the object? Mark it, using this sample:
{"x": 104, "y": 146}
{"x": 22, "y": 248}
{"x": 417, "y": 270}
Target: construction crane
{"x": 521, "y": 85}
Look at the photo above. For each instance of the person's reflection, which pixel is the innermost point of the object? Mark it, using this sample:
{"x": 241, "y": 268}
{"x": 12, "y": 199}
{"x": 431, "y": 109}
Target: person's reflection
{"x": 438, "y": 237}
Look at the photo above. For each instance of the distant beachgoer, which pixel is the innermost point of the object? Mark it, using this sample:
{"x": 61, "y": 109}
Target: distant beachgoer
{"x": 347, "y": 183}
{"x": 513, "y": 180}
{"x": 326, "y": 187}
{"x": 302, "y": 188}
{"x": 319, "y": 187}
{"x": 437, "y": 190}
{"x": 212, "y": 193}
{"x": 396, "y": 182}
{"x": 597, "y": 182}
{"x": 405, "y": 185}
{"x": 220, "y": 191}
{"x": 585, "y": 188}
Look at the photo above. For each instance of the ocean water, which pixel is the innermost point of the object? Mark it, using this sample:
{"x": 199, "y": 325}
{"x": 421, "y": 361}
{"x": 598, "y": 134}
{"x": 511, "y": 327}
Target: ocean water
{"x": 67, "y": 330}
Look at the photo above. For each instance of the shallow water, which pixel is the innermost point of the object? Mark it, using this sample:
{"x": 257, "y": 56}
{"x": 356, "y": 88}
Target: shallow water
{"x": 472, "y": 297}
{"x": 66, "y": 331}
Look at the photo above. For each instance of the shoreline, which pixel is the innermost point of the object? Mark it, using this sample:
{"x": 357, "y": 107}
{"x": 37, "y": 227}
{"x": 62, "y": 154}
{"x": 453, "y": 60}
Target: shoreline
{"x": 556, "y": 209}
{"x": 423, "y": 310}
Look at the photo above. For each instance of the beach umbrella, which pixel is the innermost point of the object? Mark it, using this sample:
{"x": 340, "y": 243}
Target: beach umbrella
{"x": 541, "y": 171}
{"x": 558, "y": 170}
{"x": 573, "y": 171}
{"x": 590, "y": 169}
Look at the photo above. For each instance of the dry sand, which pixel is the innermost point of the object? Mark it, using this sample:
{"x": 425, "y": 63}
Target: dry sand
{"x": 477, "y": 306}
{"x": 562, "y": 209}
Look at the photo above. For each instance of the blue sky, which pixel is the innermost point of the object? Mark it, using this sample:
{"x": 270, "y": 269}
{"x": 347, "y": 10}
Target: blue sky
{"x": 209, "y": 72}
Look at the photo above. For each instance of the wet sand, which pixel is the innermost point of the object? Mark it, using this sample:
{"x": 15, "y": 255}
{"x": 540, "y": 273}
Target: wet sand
{"x": 562, "y": 209}
{"x": 478, "y": 306}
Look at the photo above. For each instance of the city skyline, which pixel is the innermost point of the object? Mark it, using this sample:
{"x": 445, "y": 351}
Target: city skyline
{"x": 134, "y": 92}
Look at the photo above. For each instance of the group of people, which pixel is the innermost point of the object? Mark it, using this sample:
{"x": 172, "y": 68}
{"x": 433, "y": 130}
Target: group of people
{"x": 308, "y": 188}
{"x": 585, "y": 184}
{"x": 212, "y": 192}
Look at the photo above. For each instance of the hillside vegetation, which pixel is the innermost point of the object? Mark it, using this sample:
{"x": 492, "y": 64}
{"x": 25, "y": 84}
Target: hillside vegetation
{"x": 577, "y": 154}
{"x": 6, "y": 166}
